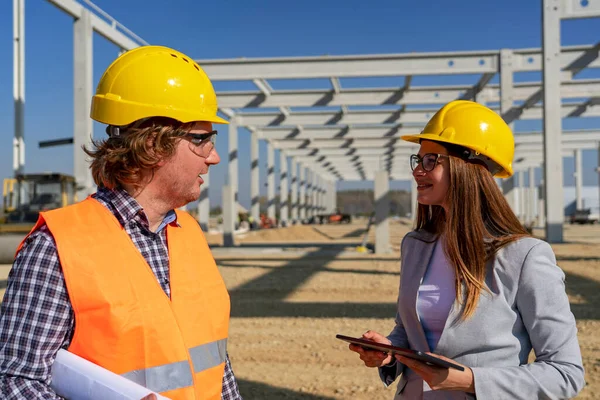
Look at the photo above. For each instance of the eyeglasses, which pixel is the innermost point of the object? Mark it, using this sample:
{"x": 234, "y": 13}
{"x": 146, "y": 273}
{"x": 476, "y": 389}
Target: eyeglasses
{"x": 206, "y": 141}
{"x": 428, "y": 161}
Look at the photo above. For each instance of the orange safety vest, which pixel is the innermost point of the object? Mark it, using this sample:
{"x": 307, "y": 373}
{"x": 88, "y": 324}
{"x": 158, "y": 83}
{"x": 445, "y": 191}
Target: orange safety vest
{"x": 124, "y": 321}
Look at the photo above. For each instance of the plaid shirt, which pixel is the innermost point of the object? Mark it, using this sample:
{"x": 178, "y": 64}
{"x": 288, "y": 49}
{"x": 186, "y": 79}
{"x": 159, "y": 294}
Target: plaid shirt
{"x": 36, "y": 317}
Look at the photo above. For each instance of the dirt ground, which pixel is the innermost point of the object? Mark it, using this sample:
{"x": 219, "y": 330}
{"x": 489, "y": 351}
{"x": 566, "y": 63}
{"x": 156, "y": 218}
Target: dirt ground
{"x": 294, "y": 289}
{"x": 288, "y": 305}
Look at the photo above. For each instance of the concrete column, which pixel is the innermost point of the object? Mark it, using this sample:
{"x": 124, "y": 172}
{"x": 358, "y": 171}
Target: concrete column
{"x": 228, "y": 218}
{"x": 82, "y": 100}
{"x": 284, "y": 190}
{"x": 521, "y": 195}
{"x": 204, "y": 203}
{"x": 315, "y": 194}
{"x": 294, "y": 189}
{"x": 506, "y": 104}
{"x": 532, "y": 195}
{"x": 541, "y": 204}
{"x": 302, "y": 193}
{"x": 553, "y": 168}
{"x": 309, "y": 188}
{"x": 254, "y": 178}
{"x": 509, "y": 190}
{"x": 233, "y": 168}
{"x": 323, "y": 201}
{"x": 333, "y": 196}
{"x": 271, "y": 207}
{"x": 414, "y": 204}
{"x": 578, "y": 180}
{"x": 329, "y": 193}
{"x": 19, "y": 90}
{"x": 382, "y": 211}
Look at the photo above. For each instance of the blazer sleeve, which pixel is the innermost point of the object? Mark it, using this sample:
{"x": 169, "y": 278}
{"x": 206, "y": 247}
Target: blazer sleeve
{"x": 542, "y": 302}
{"x": 398, "y": 337}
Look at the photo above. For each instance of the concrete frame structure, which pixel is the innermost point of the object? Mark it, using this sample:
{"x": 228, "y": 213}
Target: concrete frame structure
{"x": 351, "y": 144}
{"x": 345, "y": 144}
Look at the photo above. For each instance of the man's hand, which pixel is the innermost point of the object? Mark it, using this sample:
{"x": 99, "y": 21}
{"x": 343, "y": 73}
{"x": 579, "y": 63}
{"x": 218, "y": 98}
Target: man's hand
{"x": 441, "y": 378}
{"x": 373, "y": 358}
{"x": 151, "y": 396}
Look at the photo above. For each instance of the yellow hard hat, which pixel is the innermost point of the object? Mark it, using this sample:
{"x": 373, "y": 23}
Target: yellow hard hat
{"x": 154, "y": 81}
{"x": 475, "y": 127}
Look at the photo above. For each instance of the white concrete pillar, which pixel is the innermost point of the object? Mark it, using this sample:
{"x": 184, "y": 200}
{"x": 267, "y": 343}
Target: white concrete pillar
{"x": 578, "y": 180}
{"x": 315, "y": 193}
{"x": 233, "y": 167}
{"x": 302, "y": 193}
{"x": 82, "y": 101}
{"x": 382, "y": 212}
{"x": 254, "y": 178}
{"x": 532, "y": 195}
{"x": 414, "y": 204}
{"x": 309, "y": 189}
{"x": 228, "y": 218}
{"x": 552, "y": 120}
{"x": 521, "y": 196}
{"x": 271, "y": 206}
{"x": 541, "y": 205}
{"x": 19, "y": 89}
{"x": 506, "y": 104}
{"x": 294, "y": 190}
{"x": 204, "y": 203}
{"x": 333, "y": 196}
{"x": 284, "y": 190}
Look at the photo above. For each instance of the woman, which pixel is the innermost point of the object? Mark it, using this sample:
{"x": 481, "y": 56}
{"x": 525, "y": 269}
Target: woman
{"x": 475, "y": 288}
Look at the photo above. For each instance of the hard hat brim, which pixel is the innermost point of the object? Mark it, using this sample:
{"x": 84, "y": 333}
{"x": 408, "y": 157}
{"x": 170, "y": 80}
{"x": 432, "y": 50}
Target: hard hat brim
{"x": 121, "y": 112}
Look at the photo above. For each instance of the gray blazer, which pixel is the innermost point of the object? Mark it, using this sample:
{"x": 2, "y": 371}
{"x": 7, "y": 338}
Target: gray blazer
{"x": 527, "y": 309}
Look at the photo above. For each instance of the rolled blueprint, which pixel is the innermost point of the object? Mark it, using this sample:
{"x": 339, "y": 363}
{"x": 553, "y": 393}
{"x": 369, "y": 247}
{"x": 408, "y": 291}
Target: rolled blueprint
{"x": 76, "y": 378}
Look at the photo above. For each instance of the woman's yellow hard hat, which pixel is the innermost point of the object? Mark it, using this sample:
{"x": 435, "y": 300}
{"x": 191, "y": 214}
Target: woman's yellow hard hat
{"x": 475, "y": 127}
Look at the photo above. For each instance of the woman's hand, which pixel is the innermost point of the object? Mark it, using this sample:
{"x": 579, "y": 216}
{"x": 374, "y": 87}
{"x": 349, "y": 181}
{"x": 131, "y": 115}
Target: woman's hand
{"x": 373, "y": 358}
{"x": 441, "y": 378}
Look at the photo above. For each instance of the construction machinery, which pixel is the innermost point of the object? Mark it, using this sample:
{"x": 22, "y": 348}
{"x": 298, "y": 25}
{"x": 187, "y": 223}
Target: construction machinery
{"x": 27, "y": 194}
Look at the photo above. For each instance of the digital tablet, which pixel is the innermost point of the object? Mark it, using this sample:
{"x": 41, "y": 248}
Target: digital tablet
{"x": 417, "y": 355}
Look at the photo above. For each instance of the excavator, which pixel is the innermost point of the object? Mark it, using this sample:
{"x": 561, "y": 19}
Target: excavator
{"x": 27, "y": 194}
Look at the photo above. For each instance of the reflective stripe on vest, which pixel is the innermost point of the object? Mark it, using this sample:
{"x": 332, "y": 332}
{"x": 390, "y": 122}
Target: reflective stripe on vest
{"x": 178, "y": 375}
{"x": 208, "y": 355}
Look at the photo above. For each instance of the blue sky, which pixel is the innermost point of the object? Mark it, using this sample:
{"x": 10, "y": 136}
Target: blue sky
{"x": 231, "y": 29}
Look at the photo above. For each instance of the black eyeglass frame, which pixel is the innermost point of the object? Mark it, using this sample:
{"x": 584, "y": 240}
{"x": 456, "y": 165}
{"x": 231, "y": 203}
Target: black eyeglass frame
{"x": 419, "y": 160}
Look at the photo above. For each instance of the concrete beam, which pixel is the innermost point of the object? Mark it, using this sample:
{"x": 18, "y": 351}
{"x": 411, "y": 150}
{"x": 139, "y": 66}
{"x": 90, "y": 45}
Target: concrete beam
{"x": 472, "y": 62}
{"x": 104, "y": 29}
{"x": 377, "y": 96}
{"x": 413, "y": 119}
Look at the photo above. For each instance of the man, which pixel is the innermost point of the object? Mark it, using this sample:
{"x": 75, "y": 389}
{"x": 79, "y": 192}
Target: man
{"x": 85, "y": 279}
